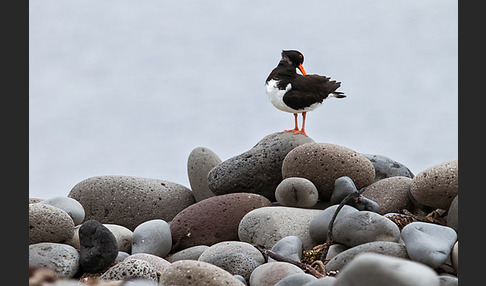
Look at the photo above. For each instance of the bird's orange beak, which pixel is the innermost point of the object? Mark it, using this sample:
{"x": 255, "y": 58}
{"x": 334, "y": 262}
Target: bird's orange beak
{"x": 301, "y": 68}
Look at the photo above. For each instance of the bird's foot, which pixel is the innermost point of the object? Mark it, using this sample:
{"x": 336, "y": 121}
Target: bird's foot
{"x": 292, "y": 130}
{"x": 301, "y": 132}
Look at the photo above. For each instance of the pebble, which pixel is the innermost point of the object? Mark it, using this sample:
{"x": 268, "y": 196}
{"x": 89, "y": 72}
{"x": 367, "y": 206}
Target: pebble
{"x": 378, "y": 269}
{"x": 158, "y": 262}
{"x": 455, "y": 256}
{"x": 73, "y": 208}
{"x": 364, "y": 226}
{"x": 428, "y": 243}
{"x": 289, "y": 247}
{"x": 49, "y": 224}
{"x": 323, "y": 163}
{"x": 196, "y": 224}
{"x": 381, "y": 247}
{"x": 269, "y": 274}
{"x": 191, "y": 253}
{"x": 296, "y": 279}
{"x": 129, "y": 201}
{"x": 230, "y": 247}
{"x": 336, "y": 249}
{"x": 152, "y": 237}
{"x": 265, "y": 226}
{"x": 448, "y": 280}
{"x": 235, "y": 263}
{"x": 129, "y": 269}
{"x": 201, "y": 160}
{"x": 190, "y": 272}
{"x": 121, "y": 256}
{"x": 122, "y": 235}
{"x": 436, "y": 186}
{"x": 453, "y": 215}
{"x": 343, "y": 186}
{"x": 319, "y": 225}
{"x": 386, "y": 167}
{"x": 390, "y": 193}
{"x": 323, "y": 281}
{"x": 98, "y": 246}
{"x": 258, "y": 170}
{"x": 63, "y": 259}
{"x": 296, "y": 192}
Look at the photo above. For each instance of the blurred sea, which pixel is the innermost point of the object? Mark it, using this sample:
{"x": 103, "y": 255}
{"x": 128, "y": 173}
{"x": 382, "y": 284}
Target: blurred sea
{"x": 131, "y": 88}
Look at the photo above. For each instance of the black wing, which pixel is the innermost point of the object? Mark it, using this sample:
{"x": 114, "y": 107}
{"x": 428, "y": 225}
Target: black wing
{"x": 309, "y": 89}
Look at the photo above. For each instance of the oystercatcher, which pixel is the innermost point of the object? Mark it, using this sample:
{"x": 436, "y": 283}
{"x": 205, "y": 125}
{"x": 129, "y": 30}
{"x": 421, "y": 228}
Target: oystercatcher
{"x": 295, "y": 93}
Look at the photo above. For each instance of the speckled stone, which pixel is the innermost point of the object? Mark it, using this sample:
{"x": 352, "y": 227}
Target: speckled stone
{"x": 436, "y": 186}
{"x": 129, "y": 201}
{"x": 296, "y": 192}
{"x": 130, "y": 268}
{"x": 323, "y": 163}
{"x": 214, "y": 219}
{"x": 258, "y": 170}
{"x": 386, "y": 167}
{"x": 158, "y": 262}
{"x": 235, "y": 263}
{"x": 190, "y": 272}
{"x": 201, "y": 160}
{"x": 61, "y": 258}
{"x": 391, "y": 194}
{"x": 269, "y": 274}
{"x": 73, "y": 208}
{"x": 49, "y": 224}
{"x": 191, "y": 253}
{"x": 229, "y": 247}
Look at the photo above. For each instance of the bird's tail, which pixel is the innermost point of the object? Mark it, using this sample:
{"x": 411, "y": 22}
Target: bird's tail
{"x": 338, "y": 94}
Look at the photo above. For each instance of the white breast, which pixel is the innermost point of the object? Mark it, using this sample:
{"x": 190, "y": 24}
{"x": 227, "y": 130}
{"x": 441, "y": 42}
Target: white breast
{"x": 276, "y": 95}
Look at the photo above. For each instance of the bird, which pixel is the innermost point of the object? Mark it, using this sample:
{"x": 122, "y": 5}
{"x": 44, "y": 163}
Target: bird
{"x": 295, "y": 93}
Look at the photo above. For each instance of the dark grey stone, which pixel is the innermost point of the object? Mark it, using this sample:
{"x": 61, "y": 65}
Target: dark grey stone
{"x": 258, "y": 170}
{"x": 343, "y": 186}
{"x": 98, "y": 246}
{"x": 289, "y": 247}
{"x": 386, "y": 167}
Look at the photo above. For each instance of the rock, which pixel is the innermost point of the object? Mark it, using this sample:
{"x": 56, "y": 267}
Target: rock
{"x": 158, "y": 262}
{"x": 98, "y": 246}
{"x": 152, "y": 237}
{"x": 121, "y": 256}
{"x": 361, "y": 227}
{"x": 63, "y": 259}
{"x": 242, "y": 280}
{"x": 49, "y": 224}
{"x": 289, "y": 247}
{"x": 436, "y": 186}
{"x": 453, "y": 215}
{"x": 190, "y": 272}
{"x": 343, "y": 186}
{"x": 296, "y": 192}
{"x": 231, "y": 247}
{"x": 448, "y": 280}
{"x": 378, "y": 269}
{"x": 455, "y": 256}
{"x": 267, "y": 225}
{"x": 258, "y": 170}
{"x": 381, "y": 247}
{"x": 191, "y": 253}
{"x": 319, "y": 225}
{"x": 336, "y": 249}
{"x": 428, "y": 243}
{"x": 269, "y": 274}
{"x": 137, "y": 282}
{"x": 324, "y": 281}
{"x": 73, "y": 208}
{"x": 214, "y": 219}
{"x": 200, "y": 162}
{"x": 129, "y": 269}
{"x": 390, "y": 193}
{"x": 296, "y": 279}
{"x": 122, "y": 235}
{"x": 129, "y": 201}
{"x": 323, "y": 163}
{"x": 235, "y": 263}
{"x": 386, "y": 167}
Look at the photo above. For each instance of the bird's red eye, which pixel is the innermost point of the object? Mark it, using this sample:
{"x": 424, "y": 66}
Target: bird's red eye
{"x": 300, "y": 56}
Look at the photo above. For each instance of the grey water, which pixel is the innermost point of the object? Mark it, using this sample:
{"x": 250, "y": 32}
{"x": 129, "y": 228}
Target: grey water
{"x": 132, "y": 87}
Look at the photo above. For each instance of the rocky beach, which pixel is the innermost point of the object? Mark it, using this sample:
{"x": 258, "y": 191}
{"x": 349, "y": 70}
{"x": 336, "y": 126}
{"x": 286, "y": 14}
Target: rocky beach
{"x": 289, "y": 211}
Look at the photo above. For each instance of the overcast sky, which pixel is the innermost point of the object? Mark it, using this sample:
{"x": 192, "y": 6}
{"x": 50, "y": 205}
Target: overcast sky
{"x": 132, "y": 87}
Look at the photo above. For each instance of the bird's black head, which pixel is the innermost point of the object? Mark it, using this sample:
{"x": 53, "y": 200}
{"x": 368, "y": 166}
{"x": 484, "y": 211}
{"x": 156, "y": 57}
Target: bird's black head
{"x": 295, "y": 58}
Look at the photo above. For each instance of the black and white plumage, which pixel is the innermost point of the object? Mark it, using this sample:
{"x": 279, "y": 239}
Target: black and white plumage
{"x": 295, "y": 93}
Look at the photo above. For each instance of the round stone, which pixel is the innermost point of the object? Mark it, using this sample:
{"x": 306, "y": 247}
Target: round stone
{"x": 296, "y": 279}
{"x": 122, "y": 235}
{"x": 61, "y": 258}
{"x": 391, "y": 194}
{"x": 323, "y": 163}
{"x": 453, "y": 214}
{"x": 296, "y": 192}
{"x": 201, "y": 160}
{"x": 49, "y": 224}
{"x": 319, "y": 225}
{"x": 191, "y": 253}
{"x": 214, "y": 219}
{"x": 436, "y": 186}
{"x": 230, "y": 247}
{"x": 129, "y": 269}
{"x": 152, "y": 237}
{"x": 98, "y": 246}
{"x": 73, "y": 208}
{"x": 386, "y": 167}
{"x": 269, "y": 274}
{"x": 234, "y": 263}
{"x": 128, "y": 201}
{"x": 289, "y": 247}
{"x": 158, "y": 262}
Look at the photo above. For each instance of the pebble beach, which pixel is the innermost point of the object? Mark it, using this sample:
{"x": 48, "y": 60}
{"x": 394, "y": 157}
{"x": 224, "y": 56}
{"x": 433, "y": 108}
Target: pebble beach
{"x": 260, "y": 218}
